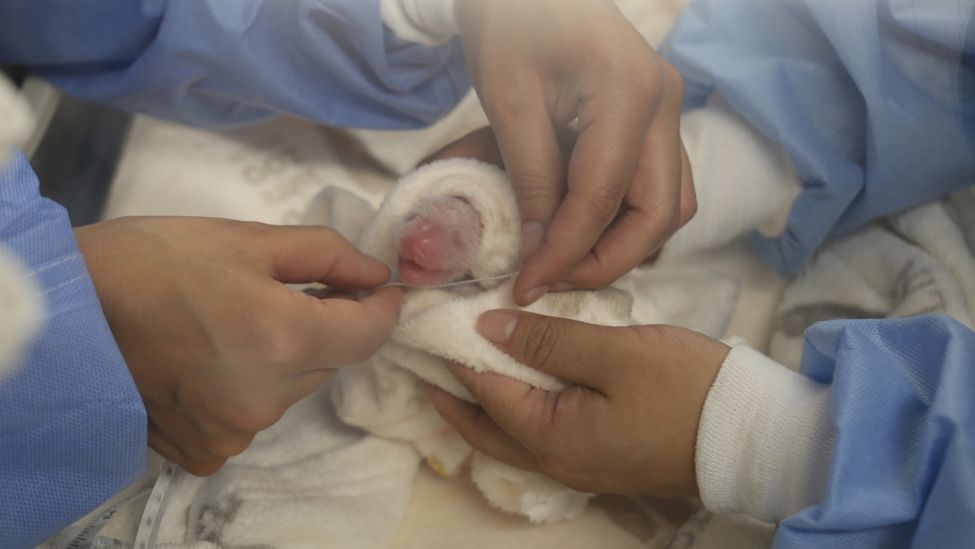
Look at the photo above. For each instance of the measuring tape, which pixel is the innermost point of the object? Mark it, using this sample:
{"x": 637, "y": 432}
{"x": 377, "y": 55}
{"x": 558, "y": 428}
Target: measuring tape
{"x": 86, "y": 537}
{"x": 145, "y": 538}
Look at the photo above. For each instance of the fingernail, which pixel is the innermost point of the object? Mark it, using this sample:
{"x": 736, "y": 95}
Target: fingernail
{"x": 497, "y": 326}
{"x": 532, "y": 234}
{"x": 533, "y": 295}
{"x": 561, "y": 287}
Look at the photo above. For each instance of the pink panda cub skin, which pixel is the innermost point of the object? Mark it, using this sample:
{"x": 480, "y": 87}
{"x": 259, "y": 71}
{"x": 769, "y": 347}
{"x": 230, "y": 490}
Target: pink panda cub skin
{"x": 439, "y": 242}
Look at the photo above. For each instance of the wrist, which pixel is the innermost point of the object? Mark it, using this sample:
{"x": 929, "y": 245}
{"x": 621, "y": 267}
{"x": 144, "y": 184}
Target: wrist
{"x": 765, "y": 439}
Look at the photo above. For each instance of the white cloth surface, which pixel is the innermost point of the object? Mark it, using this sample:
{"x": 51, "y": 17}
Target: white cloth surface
{"x": 268, "y": 173}
{"x": 428, "y": 22}
{"x": 916, "y": 262}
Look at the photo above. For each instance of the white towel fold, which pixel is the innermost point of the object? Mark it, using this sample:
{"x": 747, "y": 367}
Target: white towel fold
{"x": 916, "y": 262}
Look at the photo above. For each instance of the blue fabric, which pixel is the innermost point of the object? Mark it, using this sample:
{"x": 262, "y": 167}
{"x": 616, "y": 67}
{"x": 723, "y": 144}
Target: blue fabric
{"x": 72, "y": 425}
{"x": 218, "y": 62}
{"x": 874, "y": 101}
{"x": 903, "y": 465}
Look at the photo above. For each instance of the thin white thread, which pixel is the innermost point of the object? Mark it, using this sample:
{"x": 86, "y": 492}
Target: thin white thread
{"x": 65, "y": 283}
{"x": 56, "y": 263}
{"x": 449, "y": 284}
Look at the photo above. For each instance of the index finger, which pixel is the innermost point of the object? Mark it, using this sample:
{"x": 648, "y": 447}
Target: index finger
{"x": 299, "y": 254}
{"x": 343, "y": 332}
{"x": 600, "y": 171}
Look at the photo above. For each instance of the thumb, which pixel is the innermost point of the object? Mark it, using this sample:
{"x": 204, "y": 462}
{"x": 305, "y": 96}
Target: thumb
{"x": 300, "y": 254}
{"x": 577, "y": 352}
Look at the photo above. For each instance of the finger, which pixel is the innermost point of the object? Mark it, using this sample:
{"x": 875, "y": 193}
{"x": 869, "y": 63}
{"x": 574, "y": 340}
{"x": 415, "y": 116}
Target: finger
{"x": 530, "y": 151}
{"x": 577, "y": 352}
{"x": 524, "y": 412}
{"x": 345, "y": 332}
{"x": 167, "y": 449}
{"x": 310, "y": 381}
{"x": 479, "y": 430}
{"x": 652, "y": 214}
{"x": 600, "y": 171}
{"x": 653, "y": 202}
{"x": 319, "y": 254}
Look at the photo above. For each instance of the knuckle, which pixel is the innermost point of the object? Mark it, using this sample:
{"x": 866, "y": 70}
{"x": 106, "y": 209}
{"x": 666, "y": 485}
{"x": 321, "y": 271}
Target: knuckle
{"x": 532, "y": 187}
{"x": 201, "y": 468}
{"x": 256, "y": 417}
{"x": 666, "y": 221}
{"x": 562, "y": 469}
{"x": 604, "y": 202}
{"x": 541, "y": 339}
{"x": 688, "y": 207}
{"x": 226, "y": 448}
{"x": 644, "y": 82}
{"x": 278, "y": 345}
{"x": 253, "y": 230}
{"x": 675, "y": 82}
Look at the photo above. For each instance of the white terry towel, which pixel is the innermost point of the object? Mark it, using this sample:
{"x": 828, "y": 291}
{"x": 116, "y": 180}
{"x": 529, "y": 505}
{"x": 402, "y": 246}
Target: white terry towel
{"x": 915, "y": 262}
{"x": 439, "y": 323}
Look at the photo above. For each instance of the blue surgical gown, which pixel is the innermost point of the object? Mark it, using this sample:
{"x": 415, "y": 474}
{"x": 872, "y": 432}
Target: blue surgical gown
{"x": 72, "y": 425}
{"x": 874, "y": 102}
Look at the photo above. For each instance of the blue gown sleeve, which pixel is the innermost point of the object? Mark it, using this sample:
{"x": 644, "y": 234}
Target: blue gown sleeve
{"x": 903, "y": 465}
{"x": 218, "y": 63}
{"x": 72, "y": 425}
{"x": 874, "y": 102}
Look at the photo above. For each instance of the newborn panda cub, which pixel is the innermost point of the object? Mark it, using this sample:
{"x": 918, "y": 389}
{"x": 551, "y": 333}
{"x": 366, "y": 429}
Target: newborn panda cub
{"x": 450, "y": 221}
{"x": 438, "y": 243}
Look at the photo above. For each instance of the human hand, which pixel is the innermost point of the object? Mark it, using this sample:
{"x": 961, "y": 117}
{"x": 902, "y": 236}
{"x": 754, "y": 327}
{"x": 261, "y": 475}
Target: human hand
{"x": 218, "y": 346}
{"x": 627, "y": 423}
{"x": 538, "y": 65}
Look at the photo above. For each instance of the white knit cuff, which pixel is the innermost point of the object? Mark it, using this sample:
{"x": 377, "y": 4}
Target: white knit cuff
{"x": 428, "y": 22}
{"x": 765, "y": 439}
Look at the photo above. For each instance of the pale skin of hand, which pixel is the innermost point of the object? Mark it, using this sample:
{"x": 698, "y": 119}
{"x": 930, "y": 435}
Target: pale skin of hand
{"x": 218, "y": 346}
{"x": 627, "y": 187}
{"x": 627, "y": 423}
